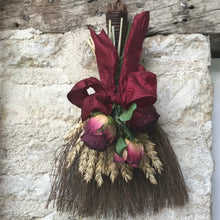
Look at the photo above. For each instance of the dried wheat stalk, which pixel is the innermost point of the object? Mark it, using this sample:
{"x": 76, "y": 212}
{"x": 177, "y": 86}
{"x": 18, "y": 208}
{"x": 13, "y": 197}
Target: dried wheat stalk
{"x": 147, "y": 169}
{"x": 126, "y": 171}
{"x": 109, "y": 160}
{"x": 99, "y": 168}
{"x": 83, "y": 160}
{"x": 75, "y": 130}
{"x": 73, "y": 137}
{"x": 105, "y": 169}
{"x": 73, "y": 152}
{"x": 152, "y": 154}
{"x": 112, "y": 169}
{"x": 91, "y": 165}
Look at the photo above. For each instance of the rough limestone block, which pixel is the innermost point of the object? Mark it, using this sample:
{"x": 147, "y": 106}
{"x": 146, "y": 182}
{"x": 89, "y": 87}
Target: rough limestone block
{"x": 37, "y": 70}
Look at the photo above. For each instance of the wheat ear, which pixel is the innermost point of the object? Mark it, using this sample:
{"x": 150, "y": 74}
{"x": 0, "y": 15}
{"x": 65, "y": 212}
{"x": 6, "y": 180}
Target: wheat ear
{"x": 147, "y": 169}
{"x": 126, "y": 172}
{"x": 83, "y": 160}
{"x": 112, "y": 168}
{"x": 99, "y": 168}
{"x": 152, "y": 154}
{"x": 91, "y": 165}
{"x": 75, "y": 130}
{"x": 73, "y": 152}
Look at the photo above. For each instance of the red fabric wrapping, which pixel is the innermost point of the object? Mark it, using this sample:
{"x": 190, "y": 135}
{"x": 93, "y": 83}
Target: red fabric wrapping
{"x": 107, "y": 58}
{"x": 99, "y": 101}
{"x": 140, "y": 87}
{"x": 135, "y": 84}
{"x": 133, "y": 46}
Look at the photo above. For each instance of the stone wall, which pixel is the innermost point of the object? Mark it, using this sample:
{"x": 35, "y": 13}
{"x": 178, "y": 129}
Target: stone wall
{"x": 37, "y": 70}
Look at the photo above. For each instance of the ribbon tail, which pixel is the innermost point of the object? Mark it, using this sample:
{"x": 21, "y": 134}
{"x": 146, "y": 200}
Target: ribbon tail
{"x": 133, "y": 46}
{"x": 141, "y": 88}
{"x": 106, "y": 57}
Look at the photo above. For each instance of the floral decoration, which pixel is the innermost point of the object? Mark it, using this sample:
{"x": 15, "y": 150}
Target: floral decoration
{"x": 126, "y": 104}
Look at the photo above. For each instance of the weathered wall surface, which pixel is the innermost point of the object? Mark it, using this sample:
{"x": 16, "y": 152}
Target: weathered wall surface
{"x": 37, "y": 70}
{"x": 167, "y": 16}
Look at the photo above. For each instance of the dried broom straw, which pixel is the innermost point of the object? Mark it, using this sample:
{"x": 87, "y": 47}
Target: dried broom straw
{"x": 130, "y": 192}
{"x": 70, "y": 192}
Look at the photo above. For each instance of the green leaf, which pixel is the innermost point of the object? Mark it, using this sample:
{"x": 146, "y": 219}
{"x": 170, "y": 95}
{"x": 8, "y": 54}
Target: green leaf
{"x": 120, "y": 146}
{"x": 127, "y": 133}
{"x": 128, "y": 31}
{"x": 121, "y": 58}
{"x": 126, "y": 115}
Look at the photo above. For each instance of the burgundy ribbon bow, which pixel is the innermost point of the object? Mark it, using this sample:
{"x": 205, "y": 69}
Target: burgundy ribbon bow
{"x": 136, "y": 85}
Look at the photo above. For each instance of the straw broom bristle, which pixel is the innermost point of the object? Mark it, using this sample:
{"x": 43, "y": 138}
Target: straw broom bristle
{"x": 70, "y": 192}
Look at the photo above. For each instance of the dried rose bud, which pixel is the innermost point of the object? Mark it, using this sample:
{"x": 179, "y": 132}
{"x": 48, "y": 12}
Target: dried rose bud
{"x": 143, "y": 119}
{"x": 131, "y": 154}
{"x": 100, "y": 132}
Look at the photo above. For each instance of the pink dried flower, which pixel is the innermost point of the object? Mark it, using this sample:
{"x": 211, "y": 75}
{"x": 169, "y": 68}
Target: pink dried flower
{"x": 132, "y": 153}
{"x": 100, "y": 132}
